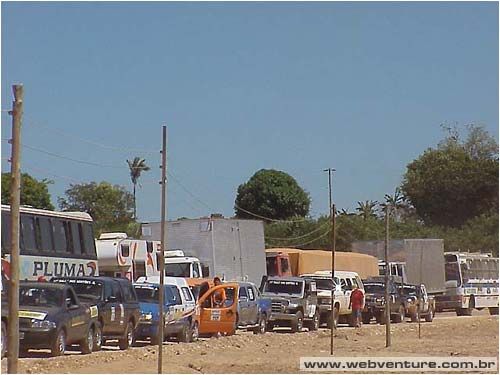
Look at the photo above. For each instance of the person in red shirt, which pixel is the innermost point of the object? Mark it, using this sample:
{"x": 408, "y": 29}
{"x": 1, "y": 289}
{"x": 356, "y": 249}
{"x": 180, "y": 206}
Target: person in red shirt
{"x": 357, "y": 303}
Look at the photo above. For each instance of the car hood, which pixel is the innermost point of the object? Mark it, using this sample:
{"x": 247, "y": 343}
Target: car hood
{"x": 37, "y": 312}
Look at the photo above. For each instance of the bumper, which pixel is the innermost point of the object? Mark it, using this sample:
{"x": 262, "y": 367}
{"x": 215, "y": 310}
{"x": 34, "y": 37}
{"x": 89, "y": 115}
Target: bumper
{"x": 36, "y": 338}
{"x": 147, "y": 330}
{"x": 282, "y": 316}
{"x": 372, "y": 310}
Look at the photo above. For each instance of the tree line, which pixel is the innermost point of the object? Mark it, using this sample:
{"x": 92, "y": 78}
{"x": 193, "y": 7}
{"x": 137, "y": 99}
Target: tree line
{"x": 450, "y": 191}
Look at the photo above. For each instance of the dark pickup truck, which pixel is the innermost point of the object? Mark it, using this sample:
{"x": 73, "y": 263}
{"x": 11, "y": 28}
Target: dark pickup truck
{"x": 294, "y": 303}
{"x": 52, "y": 317}
{"x": 419, "y": 303}
{"x": 253, "y": 309}
{"x": 375, "y": 301}
{"x": 112, "y": 302}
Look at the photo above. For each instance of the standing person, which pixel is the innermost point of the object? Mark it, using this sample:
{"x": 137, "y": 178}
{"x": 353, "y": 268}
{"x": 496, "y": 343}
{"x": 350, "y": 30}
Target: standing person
{"x": 219, "y": 296}
{"x": 357, "y": 302}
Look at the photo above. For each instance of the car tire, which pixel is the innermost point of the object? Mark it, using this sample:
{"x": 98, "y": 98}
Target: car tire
{"x": 87, "y": 343}
{"x": 400, "y": 316}
{"x": 183, "y": 335}
{"x": 298, "y": 322}
{"x": 261, "y": 327}
{"x": 126, "y": 341}
{"x": 380, "y": 317}
{"x": 366, "y": 319}
{"x": 414, "y": 317}
{"x": 493, "y": 310}
{"x": 4, "y": 339}
{"x": 429, "y": 317}
{"x": 270, "y": 326}
{"x": 58, "y": 347}
{"x": 194, "y": 332}
{"x": 98, "y": 341}
{"x": 313, "y": 324}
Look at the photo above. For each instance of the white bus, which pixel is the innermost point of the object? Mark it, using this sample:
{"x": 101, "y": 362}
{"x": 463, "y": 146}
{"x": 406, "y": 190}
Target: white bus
{"x": 51, "y": 244}
{"x": 471, "y": 283}
{"x": 121, "y": 256}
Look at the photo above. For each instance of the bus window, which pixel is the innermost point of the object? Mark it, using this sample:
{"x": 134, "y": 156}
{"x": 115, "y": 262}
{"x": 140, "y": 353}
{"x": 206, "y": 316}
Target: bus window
{"x": 59, "y": 236}
{"x": 125, "y": 250}
{"x": 44, "y": 227}
{"x": 5, "y": 232}
{"x": 69, "y": 238}
{"x": 28, "y": 233}
{"x": 88, "y": 239}
{"x": 75, "y": 235}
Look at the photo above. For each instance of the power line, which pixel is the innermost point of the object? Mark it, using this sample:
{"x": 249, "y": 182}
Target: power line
{"x": 108, "y": 147}
{"x": 311, "y": 241}
{"x": 299, "y": 237}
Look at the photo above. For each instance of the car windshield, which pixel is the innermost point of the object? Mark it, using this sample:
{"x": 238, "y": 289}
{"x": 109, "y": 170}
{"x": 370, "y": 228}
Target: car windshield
{"x": 410, "y": 290}
{"x": 374, "y": 288}
{"x": 40, "y": 296}
{"x": 284, "y": 287}
{"x": 147, "y": 293}
{"x": 87, "y": 290}
{"x": 177, "y": 269}
{"x": 324, "y": 283}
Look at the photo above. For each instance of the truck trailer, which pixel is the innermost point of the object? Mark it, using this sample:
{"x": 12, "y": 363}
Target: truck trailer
{"x": 231, "y": 249}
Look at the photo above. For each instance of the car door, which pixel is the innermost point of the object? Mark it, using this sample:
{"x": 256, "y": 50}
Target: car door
{"x": 77, "y": 320}
{"x": 346, "y": 295}
{"x": 243, "y": 306}
{"x": 253, "y": 306}
{"x": 424, "y": 299}
{"x": 215, "y": 319}
{"x": 117, "y": 309}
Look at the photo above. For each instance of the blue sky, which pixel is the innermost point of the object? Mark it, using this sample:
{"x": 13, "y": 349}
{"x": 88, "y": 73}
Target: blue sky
{"x": 299, "y": 87}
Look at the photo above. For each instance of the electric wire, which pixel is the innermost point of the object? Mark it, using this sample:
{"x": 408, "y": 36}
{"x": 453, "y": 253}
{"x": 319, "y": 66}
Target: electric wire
{"x": 302, "y": 236}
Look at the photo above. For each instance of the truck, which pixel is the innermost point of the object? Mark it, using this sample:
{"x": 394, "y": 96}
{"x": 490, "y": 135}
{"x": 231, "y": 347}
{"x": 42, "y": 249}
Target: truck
{"x": 375, "y": 300}
{"x": 231, "y": 249}
{"x": 121, "y": 256}
{"x": 415, "y": 261}
{"x": 296, "y": 262}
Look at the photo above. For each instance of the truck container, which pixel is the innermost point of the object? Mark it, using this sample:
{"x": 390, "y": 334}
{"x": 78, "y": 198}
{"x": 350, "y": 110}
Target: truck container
{"x": 309, "y": 261}
{"x": 232, "y": 249}
{"x": 418, "y": 261}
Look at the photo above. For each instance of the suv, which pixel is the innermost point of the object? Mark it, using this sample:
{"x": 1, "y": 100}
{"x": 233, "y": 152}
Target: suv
{"x": 416, "y": 295}
{"x": 294, "y": 302}
{"x": 52, "y": 317}
{"x": 375, "y": 301}
{"x": 113, "y": 302}
{"x": 253, "y": 309}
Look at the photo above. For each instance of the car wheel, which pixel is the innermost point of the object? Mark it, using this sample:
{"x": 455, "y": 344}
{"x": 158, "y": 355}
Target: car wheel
{"x": 429, "y": 317}
{"x": 97, "y": 337}
{"x": 261, "y": 328}
{"x": 314, "y": 323}
{"x": 194, "y": 332}
{"x": 4, "y": 339}
{"x": 493, "y": 310}
{"x": 270, "y": 326}
{"x": 297, "y": 324}
{"x": 183, "y": 335}
{"x": 59, "y": 345}
{"x": 400, "y": 315}
{"x": 366, "y": 319}
{"x": 126, "y": 341}
{"x": 87, "y": 343}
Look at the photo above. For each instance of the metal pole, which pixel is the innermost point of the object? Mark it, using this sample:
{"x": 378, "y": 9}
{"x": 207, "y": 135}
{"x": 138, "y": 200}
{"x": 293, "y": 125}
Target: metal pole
{"x": 332, "y": 218}
{"x": 163, "y": 245}
{"x": 387, "y": 297}
{"x": 15, "y": 199}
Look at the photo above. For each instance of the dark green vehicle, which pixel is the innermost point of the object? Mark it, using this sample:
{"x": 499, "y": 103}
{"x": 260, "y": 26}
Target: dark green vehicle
{"x": 52, "y": 317}
{"x": 294, "y": 303}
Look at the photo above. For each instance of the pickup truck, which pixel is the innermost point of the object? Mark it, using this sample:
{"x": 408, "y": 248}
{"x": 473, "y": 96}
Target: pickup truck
{"x": 375, "y": 301}
{"x": 294, "y": 303}
{"x": 419, "y": 303}
{"x": 253, "y": 309}
{"x": 52, "y": 317}
{"x": 179, "y": 309}
{"x": 113, "y": 302}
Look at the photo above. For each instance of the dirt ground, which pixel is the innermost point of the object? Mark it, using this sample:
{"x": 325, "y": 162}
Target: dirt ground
{"x": 279, "y": 352}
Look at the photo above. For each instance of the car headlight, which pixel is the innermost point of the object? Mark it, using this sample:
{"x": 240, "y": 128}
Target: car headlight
{"x": 42, "y": 324}
{"x": 146, "y": 316}
{"x": 293, "y": 305}
{"x": 410, "y": 299}
{"x": 380, "y": 300}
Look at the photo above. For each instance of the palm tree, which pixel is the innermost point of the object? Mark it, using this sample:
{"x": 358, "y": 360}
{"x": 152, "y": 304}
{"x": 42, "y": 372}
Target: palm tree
{"x": 136, "y": 166}
{"x": 396, "y": 202}
{"x": 366, "y": 209}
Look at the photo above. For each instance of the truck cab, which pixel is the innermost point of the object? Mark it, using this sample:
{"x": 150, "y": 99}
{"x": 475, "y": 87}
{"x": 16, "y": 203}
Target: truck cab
{"x": 178, "y": 265}
{"x": 278, "y": 264}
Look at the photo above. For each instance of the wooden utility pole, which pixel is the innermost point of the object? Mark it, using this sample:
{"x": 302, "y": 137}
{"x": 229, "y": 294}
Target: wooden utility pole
{"x": 15, "y": 201}
{"x": 332, "y": 218}
{"x": 163, "y": 245}
{"x": 387, "y": 270}
{"x": 419, "y": 295}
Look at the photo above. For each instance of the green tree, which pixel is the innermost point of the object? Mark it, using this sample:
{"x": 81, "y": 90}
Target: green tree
{"x": 34, "y": 193}
{"x": 271, "y": 194}
{"x": 456, "y": 181}
{"x": 367, "y": 209}
{"x": 111, "y": 206}
{"x": 136, "y": 166}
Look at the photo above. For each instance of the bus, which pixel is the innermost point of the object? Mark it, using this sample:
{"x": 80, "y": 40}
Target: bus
{"x": 471, "y": 283}
{"x": 51, "y": 244}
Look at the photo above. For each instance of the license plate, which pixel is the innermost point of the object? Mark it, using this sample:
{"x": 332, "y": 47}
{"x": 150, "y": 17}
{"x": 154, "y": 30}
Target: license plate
{"x": 21, "y": 335}
{"x": 215, "y": 315}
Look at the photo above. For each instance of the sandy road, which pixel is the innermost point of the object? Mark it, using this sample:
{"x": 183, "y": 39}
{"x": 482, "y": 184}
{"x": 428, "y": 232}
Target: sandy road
{"x": 279, "y": 352}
